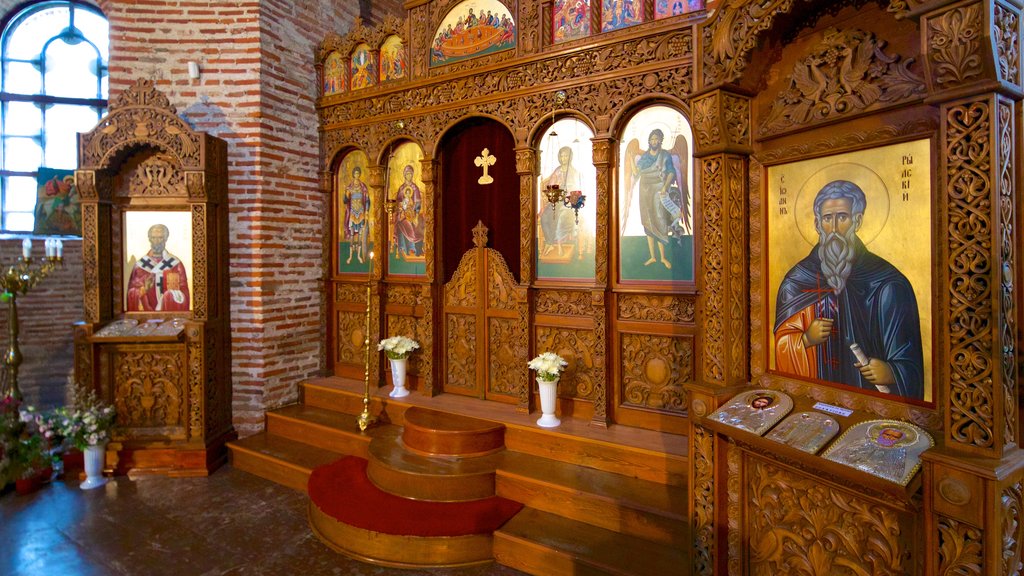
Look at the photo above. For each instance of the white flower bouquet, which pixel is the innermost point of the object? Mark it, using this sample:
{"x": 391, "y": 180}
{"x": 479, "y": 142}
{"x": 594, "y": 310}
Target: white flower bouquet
{"x": 548, "y": 366}
{"x": 88, "y": 422}
{"x": 398, "y": 347}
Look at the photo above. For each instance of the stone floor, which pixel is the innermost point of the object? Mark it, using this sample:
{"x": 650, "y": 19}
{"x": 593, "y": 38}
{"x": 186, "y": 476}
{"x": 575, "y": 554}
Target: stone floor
{"x": 230, "y": 523}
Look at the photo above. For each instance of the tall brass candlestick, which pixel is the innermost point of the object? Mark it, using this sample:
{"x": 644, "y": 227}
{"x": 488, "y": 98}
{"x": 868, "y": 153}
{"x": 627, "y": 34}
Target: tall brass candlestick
{"x": 365, "y": 420}
{"x": 18, "y": 279}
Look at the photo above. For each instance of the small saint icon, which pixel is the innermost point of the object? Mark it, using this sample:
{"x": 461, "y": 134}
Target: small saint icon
{"x": 485, "y": 160}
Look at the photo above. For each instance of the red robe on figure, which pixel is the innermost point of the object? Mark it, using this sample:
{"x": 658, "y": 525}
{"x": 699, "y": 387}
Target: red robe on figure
{"x": 158, "y": 284}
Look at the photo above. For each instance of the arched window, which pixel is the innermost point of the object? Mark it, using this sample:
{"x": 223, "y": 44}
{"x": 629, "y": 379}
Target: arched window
{"x": 54, "y": 85}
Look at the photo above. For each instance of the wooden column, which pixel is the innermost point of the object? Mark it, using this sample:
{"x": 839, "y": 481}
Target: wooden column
{"x": 721, "y": 122}
{"x": 378, "y": 195}
{"x": 428, "y": 375}
{"x": 603, "y": 148}
{"x": 973, "y": 487}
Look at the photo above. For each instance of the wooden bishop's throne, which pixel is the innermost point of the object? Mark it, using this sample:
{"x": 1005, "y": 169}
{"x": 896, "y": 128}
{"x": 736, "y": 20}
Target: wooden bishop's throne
{"x": 155, "y": 340}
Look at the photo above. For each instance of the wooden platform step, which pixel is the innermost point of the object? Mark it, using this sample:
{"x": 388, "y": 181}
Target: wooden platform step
{"x": 654, "y": 456}
{"x": 440, "y": 433}
{"x": 395, "y": 469}
{"x": 327, "y": 429}
{"x": 632, "y": 506}
{"x": 277, "y": 459}
{"x": 545, "y": 544}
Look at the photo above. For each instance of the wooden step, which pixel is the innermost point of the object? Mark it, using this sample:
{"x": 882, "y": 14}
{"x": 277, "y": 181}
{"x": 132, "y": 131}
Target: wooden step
{"x": 334, "y": 431}
{"x": 343, "y": 395}
{"x": 632, "y": 506}
{"x": 399, "y": 471}
{"x": 544, "y": 544}
{"x": 660, "y": 467}
{"x": 441, "y": 433}
{"x": 649, "y": 455}
{"x": 279, "y": 460}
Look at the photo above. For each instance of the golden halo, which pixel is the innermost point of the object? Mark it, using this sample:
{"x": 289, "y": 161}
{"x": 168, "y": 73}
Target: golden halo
{"x": 909, "y": 434}
{"x": 877, "y": 195}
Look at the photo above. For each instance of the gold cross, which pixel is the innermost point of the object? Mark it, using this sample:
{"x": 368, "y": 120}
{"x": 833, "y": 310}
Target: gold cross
{"x": 485, "y": 160}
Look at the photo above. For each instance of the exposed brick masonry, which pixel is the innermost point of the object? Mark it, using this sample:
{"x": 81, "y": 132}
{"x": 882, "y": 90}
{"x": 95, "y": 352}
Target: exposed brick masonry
{"x": 257, "y": 92}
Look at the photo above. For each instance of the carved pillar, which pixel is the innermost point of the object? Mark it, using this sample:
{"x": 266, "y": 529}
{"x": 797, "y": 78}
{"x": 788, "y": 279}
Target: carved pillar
{"x": 722, "y": 134}
{"x": 427, "y": 370}
{"x": 526, "y": 168}
{"x": 721, "y": 122}
{"x": 972, "y": 66}
{"x": 375, "y": 183}
{"x": 602, "y": 156}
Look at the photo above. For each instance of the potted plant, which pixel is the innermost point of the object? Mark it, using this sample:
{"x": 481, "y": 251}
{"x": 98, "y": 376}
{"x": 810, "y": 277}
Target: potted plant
{"x": 397, "y": 349}
{"x": 549, "y": 368}
{"x": 26, "y": 438}
{"x": 87, "y": 425}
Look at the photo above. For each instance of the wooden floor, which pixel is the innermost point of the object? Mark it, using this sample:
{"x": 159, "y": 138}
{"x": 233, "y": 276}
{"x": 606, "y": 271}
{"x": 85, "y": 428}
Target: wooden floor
{"x": 598, "y": 500}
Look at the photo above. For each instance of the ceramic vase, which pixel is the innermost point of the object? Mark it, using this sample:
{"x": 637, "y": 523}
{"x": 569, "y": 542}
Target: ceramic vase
{"x": 548, "y": 400}
{"x": 94, "y": 457}
{"x": 398, "y": 377}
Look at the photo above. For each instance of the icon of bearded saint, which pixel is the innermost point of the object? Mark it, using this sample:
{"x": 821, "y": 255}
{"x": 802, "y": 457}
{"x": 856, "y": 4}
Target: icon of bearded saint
{"x": 842, "y": 295}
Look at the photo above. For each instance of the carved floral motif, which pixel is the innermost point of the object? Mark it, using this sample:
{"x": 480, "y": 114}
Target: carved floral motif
{"x": 796, "y": 525}
{"x": 657, "y": 307}
{"x": 704, "y": 541}
{"x": 502, "y": 291}
{"x": 461, "y": 290}
{"x": 506, "y": 357}
{"x": 658, "y": 367}
{"x": 157, "y": 176}
{"x": 461, "y": 341}
{"x": 578, "y": 348}
{"x": 706, "y": 123}
{"x": 954, "y": 46}
{"x": 732, "y": 33}
{"x": 149, "y": 389}
{"x": 960, "y": 548}
{"x": 1006, "y": 31}
{"x": 564, "y": 303}
{"x": 351, "y": 338}
{"x": 846, "y": 73}
{"x": 1012, "y": 503}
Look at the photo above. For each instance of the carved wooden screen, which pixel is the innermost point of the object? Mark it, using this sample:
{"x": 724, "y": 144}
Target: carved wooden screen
{"x": 485, "y": 327}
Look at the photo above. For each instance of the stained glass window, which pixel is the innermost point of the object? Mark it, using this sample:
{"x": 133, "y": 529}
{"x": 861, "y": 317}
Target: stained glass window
{"x": 53, "y": 57}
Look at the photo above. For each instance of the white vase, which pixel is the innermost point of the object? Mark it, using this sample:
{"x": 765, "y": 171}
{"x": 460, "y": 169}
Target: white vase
{"x": 398, "y": 377}
{"x": 548, "y": 400}
{"x": 95, "y": 456}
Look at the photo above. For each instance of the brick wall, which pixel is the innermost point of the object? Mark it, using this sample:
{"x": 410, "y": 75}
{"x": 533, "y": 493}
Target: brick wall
{"x": 256, "y": 91}
{"x": 45, "y": 317}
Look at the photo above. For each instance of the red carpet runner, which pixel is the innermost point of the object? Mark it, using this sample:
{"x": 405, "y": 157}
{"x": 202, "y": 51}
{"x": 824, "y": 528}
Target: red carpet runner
{"x": 342, "y": 490}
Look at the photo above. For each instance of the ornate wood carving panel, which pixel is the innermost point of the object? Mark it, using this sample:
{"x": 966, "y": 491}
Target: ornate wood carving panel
{"x": 579, "y": 348}
{"x": 150, "y": 391}
{"x": 730, "y": 35}
{"x": 461, "y": 352}
{"x": 200, "y": 264}
{"x": 1006, "y": 31}
{"x": 713, "y": 319}
{"x": 961, "y": 548}
{"x": 502, "y": 291}
{"x": 657, "y": 307}
{"x": 657, "y": 368}
{"x": 462, "y": 289}
{"x": 156, "y": 176}
{"x": 602, "y": 162}
{"x": 398, "y": 325}
{"x": 1006, "y": 181}
{"x": 526, "y": 168}
{"x": 197, "y": 378}
{"x": 140, "y": 116}
{"x": 564, "y": 303}
{"x": 404, "y": 294}
{"x": 350, "y": 293}
{"x": 506, "y": 357}
{"x": 954, "y": 46}
{"x": 702, "y": 450}
{"x": 736, "y": 285}
{"x": 351, "y": 337}
{"x": 969, "y": 253}
{"x": 847, "y": 73}
{"x": 797, "y": 525}
{"x": 1012, "y": 500}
